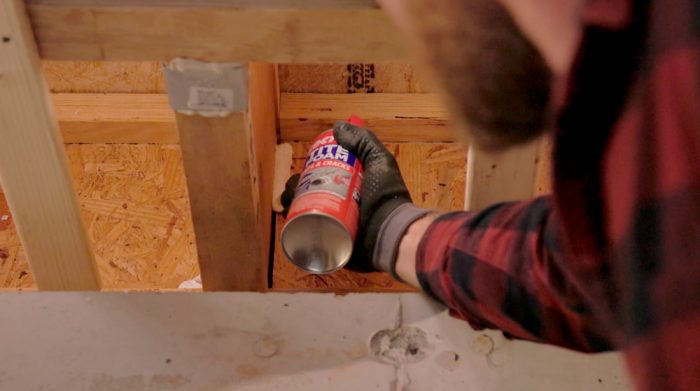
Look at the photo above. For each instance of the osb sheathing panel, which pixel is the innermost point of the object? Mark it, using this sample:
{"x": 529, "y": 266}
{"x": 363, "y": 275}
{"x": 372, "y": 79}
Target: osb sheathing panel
{"x": 435, "y": 176}
{"x": 136, "y": 211}
{"x": 137, "y": 215}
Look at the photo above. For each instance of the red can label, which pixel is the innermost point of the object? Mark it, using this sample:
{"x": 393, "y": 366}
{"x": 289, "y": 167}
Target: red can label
{"x": 330, "y": 183}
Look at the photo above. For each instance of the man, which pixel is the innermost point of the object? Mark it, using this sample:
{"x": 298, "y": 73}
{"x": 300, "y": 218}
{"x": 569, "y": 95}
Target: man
{"x": 612, "y": 259}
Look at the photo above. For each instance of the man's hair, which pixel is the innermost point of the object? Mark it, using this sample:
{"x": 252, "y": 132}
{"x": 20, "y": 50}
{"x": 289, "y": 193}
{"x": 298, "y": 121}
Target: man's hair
{"x": 496, "y": 81}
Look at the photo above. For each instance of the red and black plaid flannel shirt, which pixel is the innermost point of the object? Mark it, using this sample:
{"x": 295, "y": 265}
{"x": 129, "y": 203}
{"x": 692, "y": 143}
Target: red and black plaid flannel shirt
{"x": 612, "y": 260}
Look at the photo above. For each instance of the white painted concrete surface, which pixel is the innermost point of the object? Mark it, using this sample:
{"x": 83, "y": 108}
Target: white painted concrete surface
{"x": 252, "y": 341}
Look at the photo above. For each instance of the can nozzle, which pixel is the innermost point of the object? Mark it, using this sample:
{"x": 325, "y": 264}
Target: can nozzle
{"x": 356, "y": 120}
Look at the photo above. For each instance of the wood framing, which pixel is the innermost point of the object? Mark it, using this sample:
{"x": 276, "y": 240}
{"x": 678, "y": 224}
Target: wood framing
{"x": 33, "y": 166}
{"x": 215, "y": 30}
{"x": 230, "y": 186}
{"x": 115, "y": 118}
{"x": 393, "y": 117}
{"x": 147, "y": 118}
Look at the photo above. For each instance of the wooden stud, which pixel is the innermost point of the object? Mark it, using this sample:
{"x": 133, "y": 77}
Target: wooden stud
{"x": 115, "y": 118}
{"x": 276, "y": 31}
{"x": 393, "y": 117}
{"x": 262, "y": 119}
{"x": 33, "y": 166}
{"x": 543, "y": 179}
{"x": 498, "y": 177}
{"x": 229, "y": 180}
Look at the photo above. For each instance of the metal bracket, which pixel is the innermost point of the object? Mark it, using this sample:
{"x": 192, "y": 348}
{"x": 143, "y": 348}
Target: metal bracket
{"x": 209, "y": 89}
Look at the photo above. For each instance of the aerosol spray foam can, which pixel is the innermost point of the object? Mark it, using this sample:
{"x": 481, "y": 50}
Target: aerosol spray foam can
{"x": 323, "y": 219}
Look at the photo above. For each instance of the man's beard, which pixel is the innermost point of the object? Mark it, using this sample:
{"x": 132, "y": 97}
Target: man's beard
{"x": 496, "y": 82}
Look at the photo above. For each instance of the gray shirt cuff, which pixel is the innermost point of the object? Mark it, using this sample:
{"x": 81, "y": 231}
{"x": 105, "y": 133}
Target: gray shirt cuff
{"x": 390, "y": 234}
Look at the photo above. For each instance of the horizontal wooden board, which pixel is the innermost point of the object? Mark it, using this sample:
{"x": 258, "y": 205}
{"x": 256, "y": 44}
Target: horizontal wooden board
{"x": 237, "y": 30}
{"x": 147, "y": 77}
{"x": 115, "y": 118}
{"x": 392, "y": 77}
{"x": 435, "y": 177}
{"x": 393, "y": 117}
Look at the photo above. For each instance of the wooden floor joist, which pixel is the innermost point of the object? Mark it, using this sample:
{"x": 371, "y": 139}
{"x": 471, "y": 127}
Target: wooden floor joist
{"x": 33, "y": 166}
{"x": 147, "y": 118}
{"x": 115, "y": 118}
{"x": 278, "y": 31}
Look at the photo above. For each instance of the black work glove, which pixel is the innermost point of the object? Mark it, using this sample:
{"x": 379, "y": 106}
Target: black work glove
{"x": 383, "y": 189}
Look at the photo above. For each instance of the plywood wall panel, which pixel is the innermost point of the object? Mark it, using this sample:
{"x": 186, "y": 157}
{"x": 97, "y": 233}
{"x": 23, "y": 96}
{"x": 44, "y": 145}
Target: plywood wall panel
{"x": 135, "y": 206}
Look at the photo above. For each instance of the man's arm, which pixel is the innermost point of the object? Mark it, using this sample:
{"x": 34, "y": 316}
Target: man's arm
{"x": 502, "y": 268}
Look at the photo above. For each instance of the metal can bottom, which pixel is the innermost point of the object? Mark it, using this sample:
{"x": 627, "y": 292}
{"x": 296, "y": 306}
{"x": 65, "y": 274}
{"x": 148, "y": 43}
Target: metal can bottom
{"x": 317, "y": 243}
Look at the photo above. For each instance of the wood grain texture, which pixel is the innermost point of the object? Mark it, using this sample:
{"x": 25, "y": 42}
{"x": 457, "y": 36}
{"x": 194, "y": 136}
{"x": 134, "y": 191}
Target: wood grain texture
{"x": 135, "y": 206}
{"x": 393, "y": 117}
{"x": 434, "y": 174}
{"x": 391, "y": 77}
{"x": 220, "y": 168}
{"x": 544, "y": 176}
{"x": 115, "y": 118}
{"x": 33, "y": 167}
{"x": 241, "y": 31}
{"x": 229, "y": 164}
{"x": 104, "y": 76}
{"x": 147, "y": 118}
{"x": 504, "y": 176}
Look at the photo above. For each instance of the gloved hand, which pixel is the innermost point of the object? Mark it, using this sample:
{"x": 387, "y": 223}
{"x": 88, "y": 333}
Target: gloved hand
{"x": 383, "y": 189}
{"x": 386, "y": 209}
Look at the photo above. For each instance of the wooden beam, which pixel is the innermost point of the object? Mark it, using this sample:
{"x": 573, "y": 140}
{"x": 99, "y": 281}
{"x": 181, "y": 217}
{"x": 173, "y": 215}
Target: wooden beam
{"x": 504, "y": 176}
{"x": 215, "y": 30}
{"x": 147, "y": 118}
{"x": 33, "y": 166}
{"x": 394, "y": 117}
{"x": 230, "y": 186}
{"x": 115, "y": 118}
{"x": 262, "y": 119}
